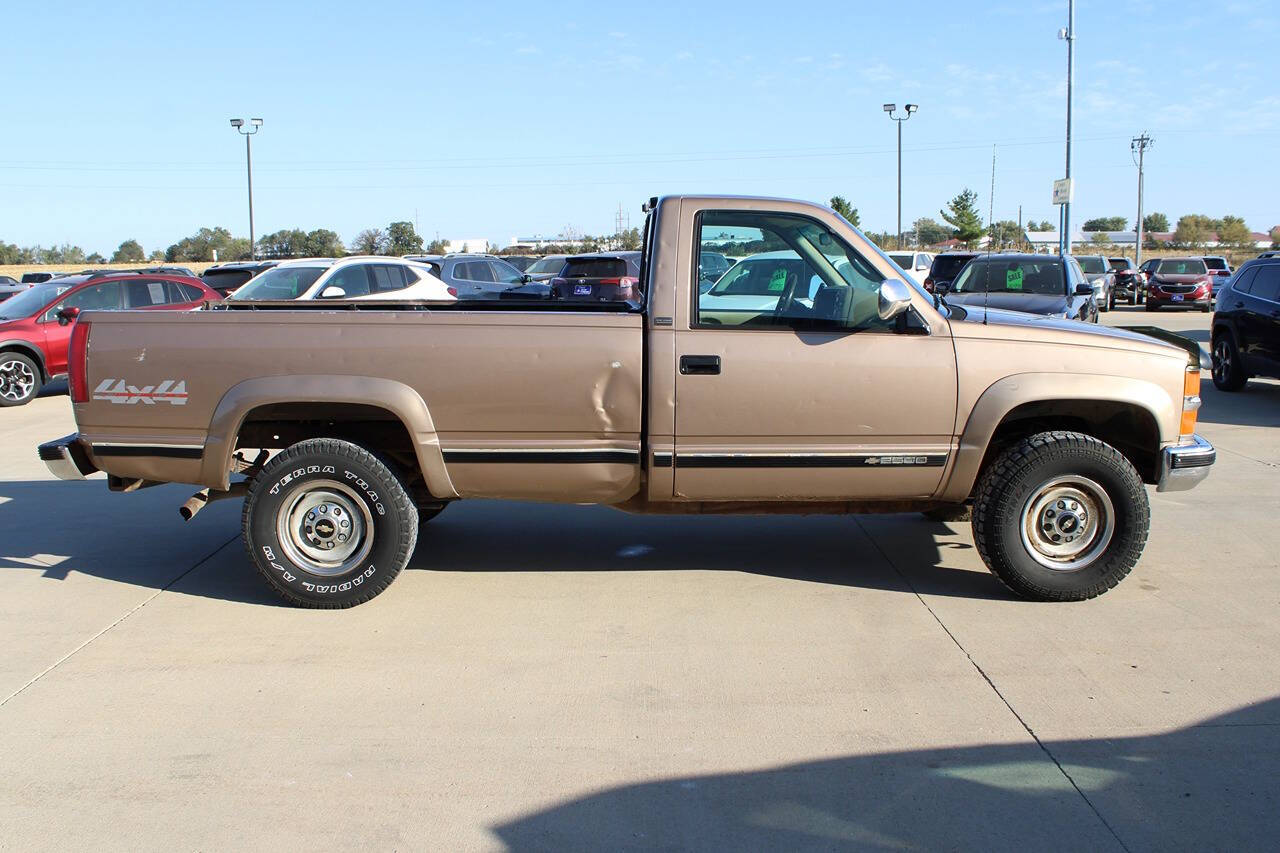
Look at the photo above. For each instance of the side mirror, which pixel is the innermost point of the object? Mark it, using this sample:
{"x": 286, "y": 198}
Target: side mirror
{"x": 1085, "y": 289}
{"x": 526, "y": 278}
{"x": 895, "y": 298}
{"x": 942, "y": 288}
{"x": 333, "y": 292}
{"x": 67, "y": 315}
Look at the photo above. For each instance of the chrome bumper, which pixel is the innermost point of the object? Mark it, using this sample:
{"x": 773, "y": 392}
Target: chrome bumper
{"x": 1185, "y": 465}
{"x": 66, "y": 458}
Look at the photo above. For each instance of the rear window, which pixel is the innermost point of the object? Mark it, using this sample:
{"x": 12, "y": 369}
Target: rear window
{"x": 1193, "y": 266}
{"x": 1121, "y": 264}
{"x": 947, "y": 267}
{"x": 1092, "y": 266}
{"x": 1019, "y": 275}
{"x": 905, "y": 260}
{"x": 1215, "y": 263}
{"x": 595, "y": 268}
{"x": 226, "y": 279}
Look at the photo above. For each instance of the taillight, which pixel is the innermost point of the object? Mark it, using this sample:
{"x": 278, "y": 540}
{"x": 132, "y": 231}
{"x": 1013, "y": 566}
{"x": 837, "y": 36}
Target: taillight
{"x": 1190, "y": 399}
{"x": 453, "y": 291}
{"x": 928, "y": 283}
{"x": 78, "y": 362}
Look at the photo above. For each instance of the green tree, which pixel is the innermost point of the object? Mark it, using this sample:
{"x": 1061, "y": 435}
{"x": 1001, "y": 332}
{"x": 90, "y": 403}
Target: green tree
{"x": 130, "y": 252}
{"x": 235, "y": 249}
{"x": 323, "y": 243}
{"x": 841, "y": 206}
{"x": 158, "y": 254}
{"x": 1100, "y": 240}
{"x": 1105, "y": 223}
{"x": 1235, "y": 233}
{"x": 402, "y": 239}
{"x": 930, "y": 232}
{"x": 437, "y": 247}
{"x": 1155, "y": 222}
{"x": 629, "y": 239}
{"x": 1005, "y": 234}
{"x": 286, "y": 243}
{"x": 201, "y": 246}
{"x": 1037, "y": 227}
{"x": 10, "y": 253}
{"x": 370, "y": 241}
{"x": 1193, "y": 230}
{"x": 962, "y": 215}
{"x": 95, "y": 258}
{"x": 1275, "y": 237}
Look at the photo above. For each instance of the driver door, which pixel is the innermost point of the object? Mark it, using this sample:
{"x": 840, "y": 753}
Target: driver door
{"x": 790, "y": 385}
{"x": 94, "y": 297}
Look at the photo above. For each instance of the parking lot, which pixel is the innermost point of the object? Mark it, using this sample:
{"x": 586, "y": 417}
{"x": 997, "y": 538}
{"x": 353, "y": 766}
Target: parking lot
{"x": 556, "y": 677}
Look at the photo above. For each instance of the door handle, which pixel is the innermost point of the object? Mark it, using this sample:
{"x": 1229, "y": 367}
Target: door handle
{"x": 700, "y": 365}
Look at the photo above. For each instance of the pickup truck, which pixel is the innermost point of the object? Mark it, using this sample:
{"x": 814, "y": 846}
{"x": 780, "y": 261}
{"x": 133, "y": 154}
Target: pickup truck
{"x": 835, "y": 388}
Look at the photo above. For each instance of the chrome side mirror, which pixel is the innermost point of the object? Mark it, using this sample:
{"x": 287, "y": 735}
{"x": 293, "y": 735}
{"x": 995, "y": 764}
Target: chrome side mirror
{"x": 333, "y": 292}
{"x": 895, "y": 298}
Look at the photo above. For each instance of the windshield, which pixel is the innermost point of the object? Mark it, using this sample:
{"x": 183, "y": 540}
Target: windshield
{"x": 1020, "y": 275}
{"x": 1092, "y": 266}
{"x": 280, "y": 283}
{"x": 546, "y": 265}
{"x": 1192, "y": 266}
{"x": 33, "y": 300}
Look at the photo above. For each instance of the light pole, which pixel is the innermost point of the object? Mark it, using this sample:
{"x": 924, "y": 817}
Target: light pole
{"x": 1139, "y": 146}
{"x": 890, "y": 108}
{"x": 247, "y": 128}
{"x": 1068, "y": 34}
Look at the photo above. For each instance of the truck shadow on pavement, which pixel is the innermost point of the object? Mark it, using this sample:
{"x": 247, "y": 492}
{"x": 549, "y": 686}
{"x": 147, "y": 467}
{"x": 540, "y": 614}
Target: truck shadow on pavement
{"x": 1211, "y": 785}
{"x": 492, "y": 536}
{"x": 54, "y": 529}
{"x": 1257, "y": 404}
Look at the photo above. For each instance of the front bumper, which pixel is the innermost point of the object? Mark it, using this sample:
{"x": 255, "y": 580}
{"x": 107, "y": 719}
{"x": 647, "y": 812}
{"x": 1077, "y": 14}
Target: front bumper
{"x": 66, "y": 458}
{"x": 1183, "y": 466}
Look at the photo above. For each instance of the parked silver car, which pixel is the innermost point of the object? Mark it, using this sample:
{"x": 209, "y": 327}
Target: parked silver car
{"x": 474, "y": 276}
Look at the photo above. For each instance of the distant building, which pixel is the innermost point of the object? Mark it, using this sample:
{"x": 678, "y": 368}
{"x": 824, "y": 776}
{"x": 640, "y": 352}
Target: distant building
{"x": 475, "y": 244}
{"x": 541, "y": 242}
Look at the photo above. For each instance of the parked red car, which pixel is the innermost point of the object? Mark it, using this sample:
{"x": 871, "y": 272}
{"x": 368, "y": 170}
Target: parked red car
{"x": 35, "y": 325}
{"x": 1179, "y": 283}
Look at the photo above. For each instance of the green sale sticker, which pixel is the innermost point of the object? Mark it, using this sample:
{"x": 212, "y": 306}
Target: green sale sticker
{"x": 1013, "y": 280}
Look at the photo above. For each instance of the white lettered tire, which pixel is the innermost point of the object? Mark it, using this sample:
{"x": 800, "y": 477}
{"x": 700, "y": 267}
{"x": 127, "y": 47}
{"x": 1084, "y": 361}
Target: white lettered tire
{"x": 328, "y": 524}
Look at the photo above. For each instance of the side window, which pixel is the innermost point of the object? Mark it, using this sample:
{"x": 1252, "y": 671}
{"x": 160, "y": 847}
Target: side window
{"x": 505, "y": 273}
{"x": 144, "y": 293}
{"x": 97, "y": 297}
{"x": 794, "y": 273}
{"x": 1244, "y": 282}
{"x": 354, "y": 280}
{"x": 473, "y": 271}
{"x": 1266, "y": 284}
{"x": 387, "y": 278}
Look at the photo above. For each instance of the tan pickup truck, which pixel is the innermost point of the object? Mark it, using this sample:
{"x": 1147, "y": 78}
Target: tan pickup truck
{"x": 808, "y": 378}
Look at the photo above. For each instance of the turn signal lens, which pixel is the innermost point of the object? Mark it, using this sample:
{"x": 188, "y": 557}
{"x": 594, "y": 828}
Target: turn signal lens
{"x": 1190, "y": 400}
{"x": 78, "y": 362}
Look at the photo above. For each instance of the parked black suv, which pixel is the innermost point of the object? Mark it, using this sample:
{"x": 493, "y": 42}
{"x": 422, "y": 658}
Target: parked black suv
{"x": 226, "y": 278}
{"x": 1246, "y": 325}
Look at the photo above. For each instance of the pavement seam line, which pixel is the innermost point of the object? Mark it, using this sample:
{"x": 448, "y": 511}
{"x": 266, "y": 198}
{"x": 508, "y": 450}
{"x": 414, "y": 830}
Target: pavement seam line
{"x": 1043, "y": 748}
{"x": 60, "y": 661}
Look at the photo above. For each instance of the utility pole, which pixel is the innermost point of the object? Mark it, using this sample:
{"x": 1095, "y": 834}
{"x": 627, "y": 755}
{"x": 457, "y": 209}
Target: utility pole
{"x": 1069, "y": 35}
{"x": 1139, "y": 146}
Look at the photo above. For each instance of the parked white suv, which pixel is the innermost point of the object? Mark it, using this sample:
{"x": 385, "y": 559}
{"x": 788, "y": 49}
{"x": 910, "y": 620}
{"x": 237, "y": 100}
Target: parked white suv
{"x": 361, "y": 278}
{"x": 914, "y": 264}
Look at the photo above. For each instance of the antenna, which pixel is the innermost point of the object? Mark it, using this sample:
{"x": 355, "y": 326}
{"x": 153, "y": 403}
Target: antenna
{"x": 991, "y": 224}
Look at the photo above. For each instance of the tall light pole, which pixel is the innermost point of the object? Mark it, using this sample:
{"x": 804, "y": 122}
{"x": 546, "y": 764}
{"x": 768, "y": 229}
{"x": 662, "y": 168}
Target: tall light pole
{"x": 1069, "y": 35}
{"x": 247, "y": 128}
{"x": 1139, "y": 146}
{"x": 890, "y": 108}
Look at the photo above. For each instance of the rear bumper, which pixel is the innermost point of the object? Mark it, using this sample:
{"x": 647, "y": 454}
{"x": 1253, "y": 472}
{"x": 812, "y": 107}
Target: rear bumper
{"x": 1183, "y": 466}
{"x": 66, "y": 458}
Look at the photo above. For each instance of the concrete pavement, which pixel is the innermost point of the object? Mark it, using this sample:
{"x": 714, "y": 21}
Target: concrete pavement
{"x": 563, "y": 678}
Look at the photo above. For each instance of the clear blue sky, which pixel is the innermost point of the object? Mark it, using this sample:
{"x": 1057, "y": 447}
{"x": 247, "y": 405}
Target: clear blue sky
{"x": 490, "y": 120}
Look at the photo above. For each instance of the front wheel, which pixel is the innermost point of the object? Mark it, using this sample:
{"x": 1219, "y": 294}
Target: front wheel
{"x": 1060, "y": 516}
{"x": 328, "y": 524}
{"x": 1228, "y": 372}
{"x": 19, "y": 379}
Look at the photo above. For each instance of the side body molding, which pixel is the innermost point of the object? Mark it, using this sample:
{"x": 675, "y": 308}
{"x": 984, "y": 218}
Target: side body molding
{"x": 1010, "y": 392}
{"x": 395, "y": 397}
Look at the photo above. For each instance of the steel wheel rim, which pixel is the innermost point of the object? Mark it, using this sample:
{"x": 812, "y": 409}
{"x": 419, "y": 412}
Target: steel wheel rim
{"x": 17, "y": 380}
{"x": 324, "y": 528}
{"x": 1221, "y": 360}
{"x": 1067, "y": 523}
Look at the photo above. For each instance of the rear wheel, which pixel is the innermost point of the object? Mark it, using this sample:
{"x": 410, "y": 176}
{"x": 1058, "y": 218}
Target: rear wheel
{"x": 19, "y": 379}
{"x": 1228, "y": 371}
{"x": 328, "y": 524}
{"x": 1061, "y": 516}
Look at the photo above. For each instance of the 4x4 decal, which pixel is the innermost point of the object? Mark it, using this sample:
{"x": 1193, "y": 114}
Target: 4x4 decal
{"x": 172, "y": 391}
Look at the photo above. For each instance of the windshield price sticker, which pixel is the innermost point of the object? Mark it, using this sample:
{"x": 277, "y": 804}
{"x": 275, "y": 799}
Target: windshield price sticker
{"x": 1013, "y": 280}
{"x": 778, "y": 281}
